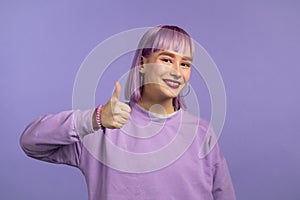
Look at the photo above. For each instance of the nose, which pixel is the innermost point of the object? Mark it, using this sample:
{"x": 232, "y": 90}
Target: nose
{"x": 175, "y": 72}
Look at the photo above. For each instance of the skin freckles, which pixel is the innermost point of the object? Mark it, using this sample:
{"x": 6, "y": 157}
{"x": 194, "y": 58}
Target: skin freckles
{"x": 166, "y": 73}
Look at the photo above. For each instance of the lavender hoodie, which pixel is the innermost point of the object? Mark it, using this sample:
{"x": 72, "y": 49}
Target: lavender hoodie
{"x": 150, "y": 158}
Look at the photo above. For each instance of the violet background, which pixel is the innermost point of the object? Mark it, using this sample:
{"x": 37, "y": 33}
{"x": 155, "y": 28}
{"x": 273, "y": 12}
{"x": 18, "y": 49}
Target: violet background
{"x": 255, "y": 45}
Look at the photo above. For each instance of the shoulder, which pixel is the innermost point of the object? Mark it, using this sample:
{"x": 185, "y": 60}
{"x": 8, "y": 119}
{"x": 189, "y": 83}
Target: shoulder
{"x": 206, "y": 139}
{"x": 202, "y": 125}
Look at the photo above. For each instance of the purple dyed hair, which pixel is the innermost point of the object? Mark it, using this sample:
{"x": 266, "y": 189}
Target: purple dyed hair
{"x": 162, "y": 37}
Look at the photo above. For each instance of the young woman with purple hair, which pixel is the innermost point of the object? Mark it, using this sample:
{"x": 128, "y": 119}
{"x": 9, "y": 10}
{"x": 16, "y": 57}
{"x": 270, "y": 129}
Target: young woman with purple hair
{"x": 154, "y": 124}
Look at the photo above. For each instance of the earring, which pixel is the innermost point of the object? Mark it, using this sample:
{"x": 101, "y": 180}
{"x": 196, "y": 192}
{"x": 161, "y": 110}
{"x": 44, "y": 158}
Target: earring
{"x": 142, "y": 79}
{"x": 189, "y": 89}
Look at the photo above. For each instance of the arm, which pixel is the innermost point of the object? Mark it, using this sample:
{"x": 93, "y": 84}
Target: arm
{"x": 222, "y": 184}
{"x": 56, "y": 138}
{"x": 222, "y": 188}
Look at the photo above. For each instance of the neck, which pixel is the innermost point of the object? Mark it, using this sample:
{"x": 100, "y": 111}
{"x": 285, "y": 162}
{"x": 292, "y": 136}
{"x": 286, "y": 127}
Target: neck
{"x": 158, "y": 107}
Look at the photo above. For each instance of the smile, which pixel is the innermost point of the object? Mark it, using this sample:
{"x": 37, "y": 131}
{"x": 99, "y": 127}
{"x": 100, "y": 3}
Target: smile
{"x": 172, "y": 83}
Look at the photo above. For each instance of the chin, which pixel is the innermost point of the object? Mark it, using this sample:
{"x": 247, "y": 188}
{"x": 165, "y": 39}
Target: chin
{"x": 170, "y": 94}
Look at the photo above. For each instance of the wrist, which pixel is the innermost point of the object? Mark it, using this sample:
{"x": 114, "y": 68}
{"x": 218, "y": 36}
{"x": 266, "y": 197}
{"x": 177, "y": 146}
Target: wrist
{"x": 98, "y": 117}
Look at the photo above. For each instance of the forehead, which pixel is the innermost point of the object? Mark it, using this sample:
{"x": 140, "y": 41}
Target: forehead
{"x": 171, "y": 53}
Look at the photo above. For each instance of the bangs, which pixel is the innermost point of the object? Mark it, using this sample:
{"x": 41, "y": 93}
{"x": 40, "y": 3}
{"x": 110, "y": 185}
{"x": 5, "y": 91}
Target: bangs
{"x": 172, "y": 40}
{"x": 169, "y": 38}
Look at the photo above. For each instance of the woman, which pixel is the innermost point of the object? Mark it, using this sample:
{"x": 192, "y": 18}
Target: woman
{"x": 154, "y": 125}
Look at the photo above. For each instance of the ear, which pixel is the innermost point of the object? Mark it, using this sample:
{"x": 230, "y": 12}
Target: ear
{"x": 142, "y": 67}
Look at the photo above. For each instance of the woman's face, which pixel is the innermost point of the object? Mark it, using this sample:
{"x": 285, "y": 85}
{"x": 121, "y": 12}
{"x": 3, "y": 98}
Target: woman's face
{"x": 165, "y": 73}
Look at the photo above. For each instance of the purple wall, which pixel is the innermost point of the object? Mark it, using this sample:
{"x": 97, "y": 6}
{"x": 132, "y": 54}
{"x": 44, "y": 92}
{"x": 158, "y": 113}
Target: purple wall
{"x": 254, "y": 44}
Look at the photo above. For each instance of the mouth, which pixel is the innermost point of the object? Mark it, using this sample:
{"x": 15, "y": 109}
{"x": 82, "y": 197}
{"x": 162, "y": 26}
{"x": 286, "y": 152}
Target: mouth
{"x": 172, "y": 83}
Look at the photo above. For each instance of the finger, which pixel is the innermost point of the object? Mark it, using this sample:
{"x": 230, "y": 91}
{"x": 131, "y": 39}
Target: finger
{"x": 118, "y": 113}
{"x": 121, "y": 120}
{"x": 117, "y": 124}
{"x": 121, "y": 115}
{"x": 125, "y": 115}
{"x": 125, "y": 108}
{"x": 117, "y": 91}
{"x": 120, "y": 107}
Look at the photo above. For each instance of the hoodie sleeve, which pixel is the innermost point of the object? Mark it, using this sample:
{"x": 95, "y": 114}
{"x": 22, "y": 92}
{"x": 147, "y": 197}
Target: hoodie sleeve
{"x": 57, "y": 138}
{"x": 222, "y": 184}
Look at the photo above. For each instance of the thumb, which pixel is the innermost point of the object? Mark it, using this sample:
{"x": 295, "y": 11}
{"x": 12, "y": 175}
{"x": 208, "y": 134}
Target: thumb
{"x": 117, "y": 92}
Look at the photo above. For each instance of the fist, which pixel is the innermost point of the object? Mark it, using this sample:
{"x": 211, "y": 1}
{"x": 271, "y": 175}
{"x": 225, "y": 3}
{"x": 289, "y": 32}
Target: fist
{"x": 114, "y": 114}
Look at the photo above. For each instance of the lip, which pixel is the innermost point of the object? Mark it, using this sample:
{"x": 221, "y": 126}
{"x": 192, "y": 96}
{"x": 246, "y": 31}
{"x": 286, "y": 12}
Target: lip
{"x": 172, "y": 83}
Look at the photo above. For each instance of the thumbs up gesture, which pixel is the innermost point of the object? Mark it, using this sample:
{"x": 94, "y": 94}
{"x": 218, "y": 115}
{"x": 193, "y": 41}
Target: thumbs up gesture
{"x": 114, "y": 114}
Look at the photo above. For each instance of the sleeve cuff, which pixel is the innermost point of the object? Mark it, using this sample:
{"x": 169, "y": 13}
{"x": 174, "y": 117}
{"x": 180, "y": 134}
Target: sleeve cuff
{"x": 83, "y": 122}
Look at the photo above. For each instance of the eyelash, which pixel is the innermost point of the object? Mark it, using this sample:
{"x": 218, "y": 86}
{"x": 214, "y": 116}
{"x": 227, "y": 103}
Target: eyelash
{"x": 169, "y": 60}
{"x": 166, "y": 60}
{"x": 185, "y": 65}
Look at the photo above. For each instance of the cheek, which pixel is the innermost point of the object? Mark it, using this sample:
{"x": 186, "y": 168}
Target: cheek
{"x": 186, "y": 75}
{"x": 156, "y": 71}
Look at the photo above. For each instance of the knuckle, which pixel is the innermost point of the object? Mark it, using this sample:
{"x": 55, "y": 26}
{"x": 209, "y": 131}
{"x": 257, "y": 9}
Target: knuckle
{"x": 128, "y": 108}
{"x": 115, "y": 124}
{"x": 118, "y": 125}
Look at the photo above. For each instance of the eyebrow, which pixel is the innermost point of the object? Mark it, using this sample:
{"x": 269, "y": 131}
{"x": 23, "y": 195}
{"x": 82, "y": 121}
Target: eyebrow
{"x": 173, "y": 55}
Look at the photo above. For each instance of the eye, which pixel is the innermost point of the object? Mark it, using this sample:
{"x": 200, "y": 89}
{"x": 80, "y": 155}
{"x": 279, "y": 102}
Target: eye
{"x": 166, "y": 60}
{"x": 185, "y": 65}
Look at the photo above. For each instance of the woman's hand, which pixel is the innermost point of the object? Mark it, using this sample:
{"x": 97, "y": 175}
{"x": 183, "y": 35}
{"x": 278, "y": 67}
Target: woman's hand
{"x": 114, "y": 114}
